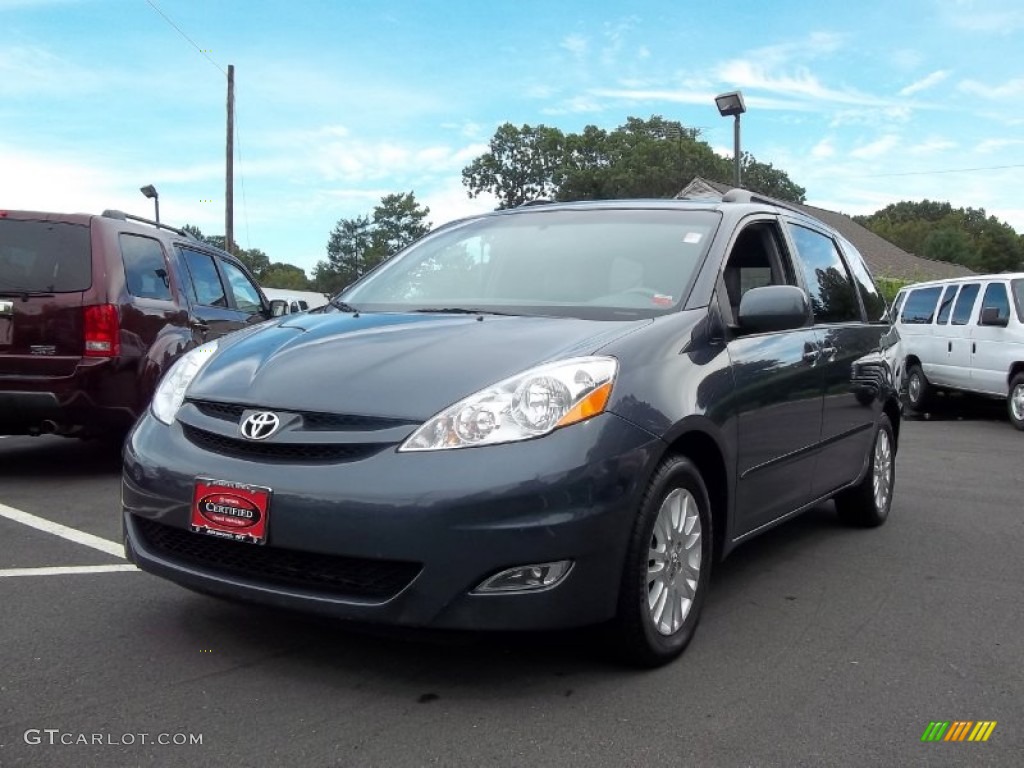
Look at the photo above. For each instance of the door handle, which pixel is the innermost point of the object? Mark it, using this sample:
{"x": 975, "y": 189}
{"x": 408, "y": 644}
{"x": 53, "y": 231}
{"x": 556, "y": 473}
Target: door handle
{"x": 974, "y": 348}
{"x": 828, "y": 351}
{"x": 200, "y": 326}
{"x": 811, "y": 354}
{"x": 949, "y": 346}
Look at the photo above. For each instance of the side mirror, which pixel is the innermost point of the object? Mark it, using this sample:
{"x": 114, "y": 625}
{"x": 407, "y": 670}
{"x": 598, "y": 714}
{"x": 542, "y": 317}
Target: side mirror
{"x": 278, "y": 307}
{"x": 990, "y": 316}
{"x": 773, "y": 308}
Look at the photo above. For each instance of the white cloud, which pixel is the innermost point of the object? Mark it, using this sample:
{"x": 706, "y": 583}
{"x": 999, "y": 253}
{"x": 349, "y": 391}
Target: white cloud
{"x": 932, "y": 145}
{"x": 1008, "y": 90}
{"x": 986, "y": 16}
{"x": 643, "y": 52}
{"x": 823, "y": 149}
{"x": 926, "y": 82}
{"x": 745, "y": 73}
{"x": 995, "y": 145}
{"x": 876, "y": 148}
{"x": 575, "y": 44}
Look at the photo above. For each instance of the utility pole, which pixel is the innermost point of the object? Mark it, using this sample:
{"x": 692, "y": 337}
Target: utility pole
{"x": 229, "y": 193}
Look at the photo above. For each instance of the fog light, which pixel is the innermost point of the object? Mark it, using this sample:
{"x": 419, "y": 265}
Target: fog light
{"x": 523, "y": 578}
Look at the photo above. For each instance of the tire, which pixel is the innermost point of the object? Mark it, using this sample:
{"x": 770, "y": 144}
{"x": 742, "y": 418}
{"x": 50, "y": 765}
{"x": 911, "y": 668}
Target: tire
{"x": 1015, "y": 401}
{"x": 919, "y": 391}
{"x": 673, "y": 526}
{"x": 867, "y": 504}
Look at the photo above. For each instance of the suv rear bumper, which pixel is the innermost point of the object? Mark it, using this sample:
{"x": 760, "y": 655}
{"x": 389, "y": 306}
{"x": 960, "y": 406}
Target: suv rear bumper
{"x": 27, "y": 412}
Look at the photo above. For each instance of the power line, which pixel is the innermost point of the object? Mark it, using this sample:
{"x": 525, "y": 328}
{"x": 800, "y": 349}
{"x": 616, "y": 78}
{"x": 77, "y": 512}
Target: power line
{"x": 945, "y": 170}
{"x": 180, "y": 32}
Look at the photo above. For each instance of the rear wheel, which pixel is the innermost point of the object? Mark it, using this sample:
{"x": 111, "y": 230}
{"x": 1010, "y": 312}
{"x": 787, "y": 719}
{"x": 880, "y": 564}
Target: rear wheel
{"x": 667, "y": 569}
{"x": 919, "y": 391}
{"x": 1015, "y": 402}
{"x": 867, "y": 503}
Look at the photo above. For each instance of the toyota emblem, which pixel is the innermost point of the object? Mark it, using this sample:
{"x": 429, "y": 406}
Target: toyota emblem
{"x": 260, "y": 425}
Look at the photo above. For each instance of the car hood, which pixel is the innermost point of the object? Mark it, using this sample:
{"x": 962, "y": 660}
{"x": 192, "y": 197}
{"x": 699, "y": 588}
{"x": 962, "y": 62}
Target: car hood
{"x": 407, "y": 366}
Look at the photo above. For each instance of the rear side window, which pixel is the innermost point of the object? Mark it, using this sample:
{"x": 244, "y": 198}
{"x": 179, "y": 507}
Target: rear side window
{"x": 44, "y": 256}
{"x": 874, "y": 304}
{"x": 919, "y": 307}
{"x": 206, "y": 284}
{"x": 830, "y": 287}
{"x": 965, "y": 303}
{"x": 946, "y": 305}
{"x": 145, "y": 270}
{"x": 996, "y": 296}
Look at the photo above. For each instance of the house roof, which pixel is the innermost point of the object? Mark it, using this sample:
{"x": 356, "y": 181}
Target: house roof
{"x": 884, "y": 259}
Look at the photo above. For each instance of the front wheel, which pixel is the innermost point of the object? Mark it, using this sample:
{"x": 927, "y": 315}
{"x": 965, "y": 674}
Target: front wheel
{"x": 867, "y": 503}
{"x": 1015, "y": 402}
{"x": 668, "y": 566}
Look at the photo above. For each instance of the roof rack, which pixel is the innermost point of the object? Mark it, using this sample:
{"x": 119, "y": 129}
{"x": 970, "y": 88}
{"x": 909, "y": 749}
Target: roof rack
{"x": 738, "y": 195}
{"x": 538, "y": 201}
{"x": 112, "y": 213}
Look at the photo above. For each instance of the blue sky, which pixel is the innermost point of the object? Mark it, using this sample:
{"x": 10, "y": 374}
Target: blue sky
{"x": 339, "y": 103}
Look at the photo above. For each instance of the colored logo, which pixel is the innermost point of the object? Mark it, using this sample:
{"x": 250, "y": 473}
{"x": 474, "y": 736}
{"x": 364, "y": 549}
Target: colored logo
{"x": 958, "y": 730}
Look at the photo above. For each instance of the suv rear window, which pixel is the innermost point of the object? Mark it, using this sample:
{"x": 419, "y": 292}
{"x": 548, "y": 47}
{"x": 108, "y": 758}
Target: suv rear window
{"x": 44, "y": 256}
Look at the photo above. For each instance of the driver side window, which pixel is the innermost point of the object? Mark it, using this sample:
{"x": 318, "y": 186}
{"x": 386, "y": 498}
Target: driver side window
{"x": 755, "y": 260}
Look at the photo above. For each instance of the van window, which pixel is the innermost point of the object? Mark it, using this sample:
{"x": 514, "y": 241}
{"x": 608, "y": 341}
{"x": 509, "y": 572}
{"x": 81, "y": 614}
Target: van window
{"x": 965, "y": 303}
{"x": 828, "y": 283}
{"x": 44, "y": 256}
{"x": 1018, "y": 297}
{"x": 995, "y": 296}
{"x": 145, "y": 271}
{"x": 919, "y": 308}
{"x": 946, "y": 305}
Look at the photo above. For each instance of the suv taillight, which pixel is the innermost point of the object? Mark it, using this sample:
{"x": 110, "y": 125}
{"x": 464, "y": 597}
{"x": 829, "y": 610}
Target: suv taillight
{"x": 102, "y": 331}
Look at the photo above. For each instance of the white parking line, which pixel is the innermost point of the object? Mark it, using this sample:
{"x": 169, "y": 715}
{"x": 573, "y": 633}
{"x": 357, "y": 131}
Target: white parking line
{"x": 71, "y": 534}
{"x": 66, "y": 570}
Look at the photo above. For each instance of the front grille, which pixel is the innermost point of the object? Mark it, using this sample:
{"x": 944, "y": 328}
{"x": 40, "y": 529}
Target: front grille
{"x": 339, "y": 575}
{"x": 326, "y": 453}
{"x": 313, "y": 421}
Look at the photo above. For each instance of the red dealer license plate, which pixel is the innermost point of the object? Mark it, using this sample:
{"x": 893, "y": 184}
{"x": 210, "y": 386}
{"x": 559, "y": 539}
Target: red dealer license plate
{"x": 229, "y": 510}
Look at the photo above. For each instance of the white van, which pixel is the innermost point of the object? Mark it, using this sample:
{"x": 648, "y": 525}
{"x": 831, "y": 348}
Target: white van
{"x": 963, "y": 334}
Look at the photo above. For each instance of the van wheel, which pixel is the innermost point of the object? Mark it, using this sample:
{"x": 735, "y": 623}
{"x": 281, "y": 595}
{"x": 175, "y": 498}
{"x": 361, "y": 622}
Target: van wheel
{"x": 667, "y": 568}
{"x": 919, "y": 391}
{"x": 867, "y": 504}
{"x": 1015, "y": 402}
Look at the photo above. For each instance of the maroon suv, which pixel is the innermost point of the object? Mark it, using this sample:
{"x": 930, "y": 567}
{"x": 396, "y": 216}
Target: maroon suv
{"x": 93, "y": 309}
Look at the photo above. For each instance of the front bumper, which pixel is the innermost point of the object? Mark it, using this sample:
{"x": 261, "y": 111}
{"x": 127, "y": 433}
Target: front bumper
{"x": 460, "y": 515}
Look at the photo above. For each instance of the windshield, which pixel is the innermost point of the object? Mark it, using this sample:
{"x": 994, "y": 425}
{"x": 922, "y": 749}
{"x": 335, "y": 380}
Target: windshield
{"x": 44, "y": 256}
{"x": 599, "y": 263}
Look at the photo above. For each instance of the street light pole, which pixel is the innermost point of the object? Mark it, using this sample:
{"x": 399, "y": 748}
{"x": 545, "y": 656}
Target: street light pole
{"x": 150, "y": 191}
{"x": 731, "y": 104}
{"x": 736, "y": 148}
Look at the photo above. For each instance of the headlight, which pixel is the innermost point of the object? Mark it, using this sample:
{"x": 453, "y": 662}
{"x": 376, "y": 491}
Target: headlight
{"x": 171, "y": 392}
{"x": 531, "y": 404}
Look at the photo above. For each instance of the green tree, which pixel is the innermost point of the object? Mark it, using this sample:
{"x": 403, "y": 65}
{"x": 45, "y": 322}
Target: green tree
{"x": 281, "y": 275}
{"x": 936, "y": 230}
{"x": 519, "y": 166}
{"x": 642, "y": 158}
{"x": 357, "y": 245}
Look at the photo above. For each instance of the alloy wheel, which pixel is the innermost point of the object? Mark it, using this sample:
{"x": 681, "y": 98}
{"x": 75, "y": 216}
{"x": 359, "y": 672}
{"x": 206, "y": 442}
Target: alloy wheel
{"x": 674, "y": 561}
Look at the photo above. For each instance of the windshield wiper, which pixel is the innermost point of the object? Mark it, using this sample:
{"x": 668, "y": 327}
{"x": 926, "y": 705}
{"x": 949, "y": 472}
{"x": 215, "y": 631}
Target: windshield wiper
{"x": 339, "y": 304}
{"x": 459, "y": 311}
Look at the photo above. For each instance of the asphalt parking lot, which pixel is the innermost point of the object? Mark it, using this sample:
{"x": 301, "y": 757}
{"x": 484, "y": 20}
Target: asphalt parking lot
{"x": 819, "y": 646}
